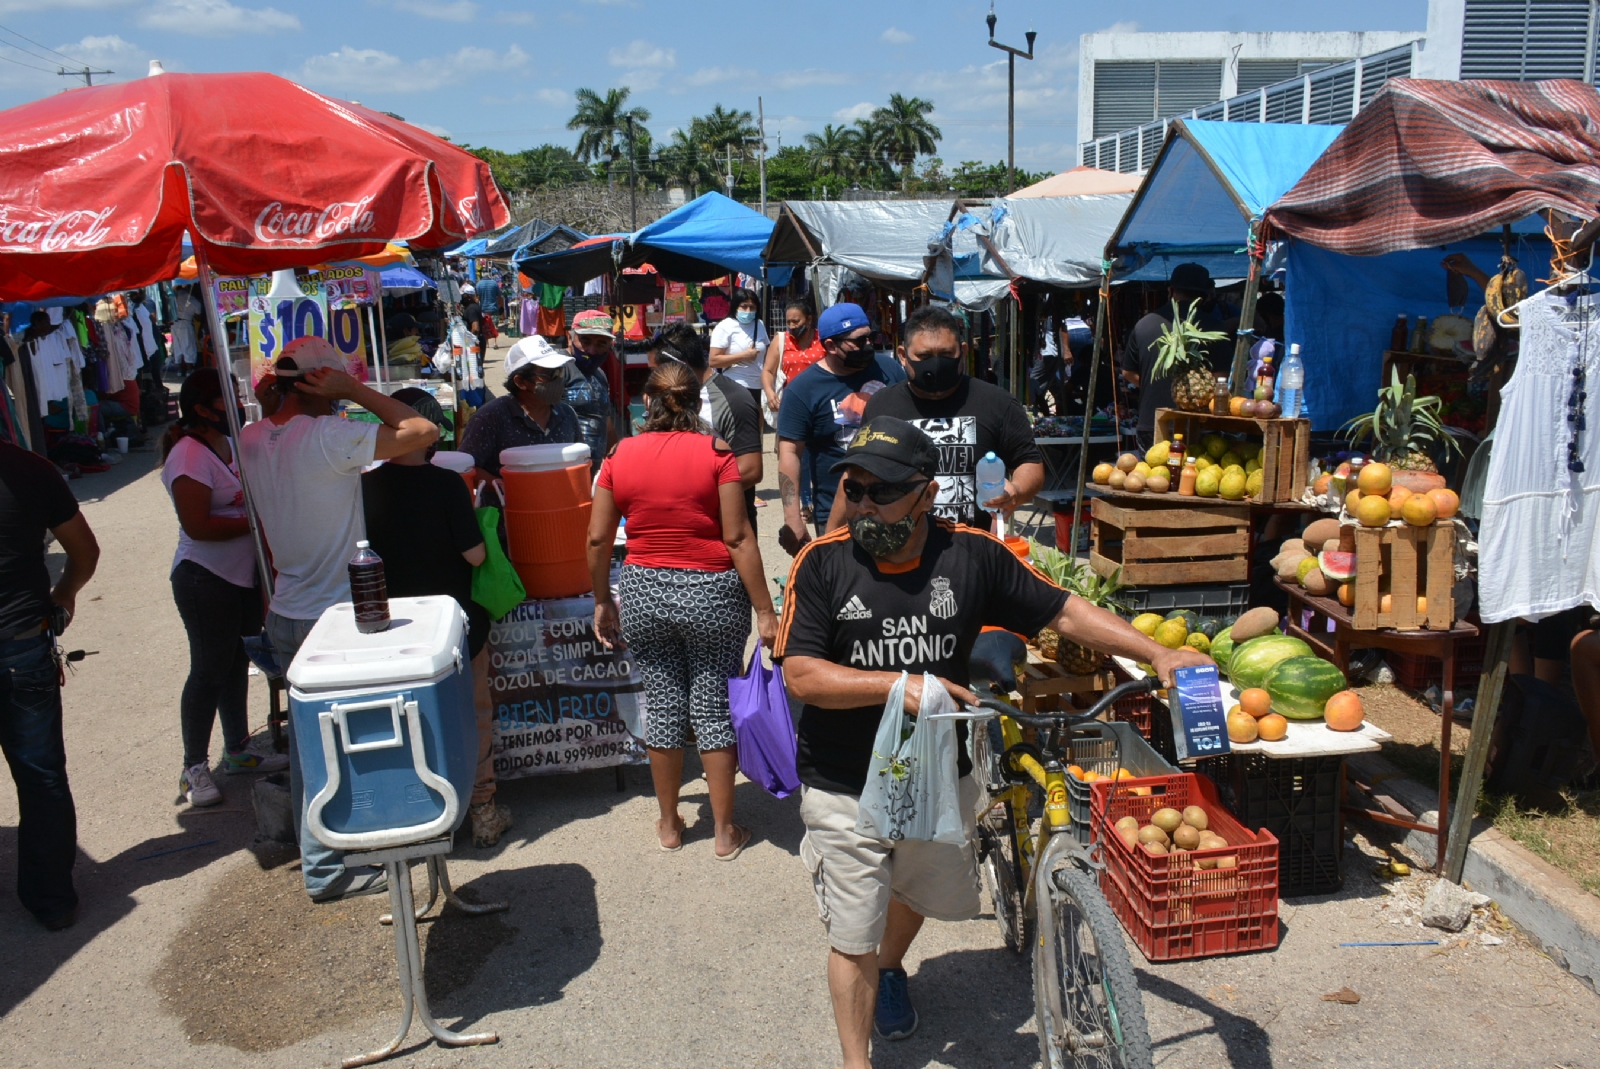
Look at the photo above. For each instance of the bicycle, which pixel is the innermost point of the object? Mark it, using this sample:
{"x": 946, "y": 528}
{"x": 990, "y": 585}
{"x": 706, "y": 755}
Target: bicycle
{"x": 1046, "y": 891}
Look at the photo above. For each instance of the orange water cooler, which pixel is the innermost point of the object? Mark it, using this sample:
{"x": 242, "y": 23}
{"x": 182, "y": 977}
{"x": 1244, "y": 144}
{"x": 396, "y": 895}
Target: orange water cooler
{"x": 460, "y": 463}
{"x": 548, "y": 502}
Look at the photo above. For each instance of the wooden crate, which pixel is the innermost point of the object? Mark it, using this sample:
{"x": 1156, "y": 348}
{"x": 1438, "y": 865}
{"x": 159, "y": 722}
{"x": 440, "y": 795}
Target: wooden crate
{"x": 1043, "y": 682}
{"x": 1285, "y": 446}
{"x": 1165, "y": 541}
{"x": 1416, "y": 560}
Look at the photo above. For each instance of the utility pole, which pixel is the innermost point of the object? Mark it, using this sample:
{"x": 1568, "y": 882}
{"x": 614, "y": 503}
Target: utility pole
{"x": 727, "y": 179}
{"x": 633, "y": 185}
{"x": 1011, "y": 95}
{"x": 761, "y": 127}
{"x": 86, "y": 73}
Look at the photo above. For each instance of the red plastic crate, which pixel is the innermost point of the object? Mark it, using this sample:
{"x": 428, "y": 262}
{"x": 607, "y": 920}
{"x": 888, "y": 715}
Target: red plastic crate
{"x": 1173, "y": 909}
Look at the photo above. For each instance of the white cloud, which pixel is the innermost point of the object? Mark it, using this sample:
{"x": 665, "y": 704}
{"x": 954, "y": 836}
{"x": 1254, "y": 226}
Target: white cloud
{"x": 436, "y": 131}
{"x": 893, "y": 36}
{"x": 8, "y": 7}
{"x": 809, "y": 77}
{"x": 214, "y": 18}
{"x": 855, "y": 111}
{"x": 643, "y": 63}
{"x": 370, "y": 70}
{"x": 458, "y": 11}
{"x": 717, "y": 75}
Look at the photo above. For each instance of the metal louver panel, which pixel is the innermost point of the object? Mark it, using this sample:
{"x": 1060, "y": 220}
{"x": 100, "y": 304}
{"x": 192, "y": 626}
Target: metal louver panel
{"x": 1245, "y": 108}
{"x": 1128, "y": 152}
{"x": 1183, "y": 85}
{"x": 1379, "y": 69}
{"x": 1260, "y": 73}
{"x": 1217, "y": 112}
{"x": 1089, "y": 154}
{"x": 1331, "y": 97}
{"x": 1526, "y": 40}
{"x": 1124, "y": 95}
{"x": 1286, "y": 103}
{"x": 1150, "y": 139}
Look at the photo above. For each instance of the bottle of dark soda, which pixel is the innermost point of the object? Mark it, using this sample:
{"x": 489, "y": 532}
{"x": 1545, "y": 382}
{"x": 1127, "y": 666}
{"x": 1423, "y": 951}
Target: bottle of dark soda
{"x": 368, "y": 591}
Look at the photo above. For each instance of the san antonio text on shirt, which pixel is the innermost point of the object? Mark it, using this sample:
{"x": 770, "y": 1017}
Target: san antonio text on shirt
{"x": 906, "y": 642}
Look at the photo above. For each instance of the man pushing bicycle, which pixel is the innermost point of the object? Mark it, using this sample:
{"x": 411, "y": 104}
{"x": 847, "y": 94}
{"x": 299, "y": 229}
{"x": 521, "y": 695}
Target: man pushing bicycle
{"x": 896, "y": 590}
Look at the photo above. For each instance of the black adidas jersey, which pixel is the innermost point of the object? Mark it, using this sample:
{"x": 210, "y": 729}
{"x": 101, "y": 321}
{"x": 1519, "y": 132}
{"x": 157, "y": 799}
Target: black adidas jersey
{"x": 922, "y": 616}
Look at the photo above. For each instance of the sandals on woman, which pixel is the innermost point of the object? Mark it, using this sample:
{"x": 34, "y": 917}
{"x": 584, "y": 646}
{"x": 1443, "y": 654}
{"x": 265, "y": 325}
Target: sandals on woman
{"x": 745, "y": 835}
{"x": 664, "y": 846}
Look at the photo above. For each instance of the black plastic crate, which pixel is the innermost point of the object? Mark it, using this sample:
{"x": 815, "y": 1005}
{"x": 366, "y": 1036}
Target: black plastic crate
{"x": 1210, "y": 599}
{"x": 1297, "y": 800}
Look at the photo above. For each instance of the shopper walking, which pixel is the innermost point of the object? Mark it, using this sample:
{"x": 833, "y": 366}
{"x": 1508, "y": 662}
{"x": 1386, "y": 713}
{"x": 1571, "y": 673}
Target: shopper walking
{"x": 420, "y": 521}
{"x": 214, "y": 586}
{"x": 692, "y": 575}
{"x": 593, "y": 349}
{"x": 790, "y": 353}
{"x": 725, "y": 406}
{"x": 738, "y": 342}
{"x": 304, "y": 465}
{"x": 34, "y": 499}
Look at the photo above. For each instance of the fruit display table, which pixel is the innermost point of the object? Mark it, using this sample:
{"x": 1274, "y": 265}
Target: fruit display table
{"x": 1329, "y": 628}
{"x": 1292, "y": 787}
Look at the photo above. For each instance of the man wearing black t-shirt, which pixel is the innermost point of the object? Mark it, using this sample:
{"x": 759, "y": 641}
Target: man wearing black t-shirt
{"x": 34, "y": 499}
{"x": 892, "y": 591}
{"x": 965, "y": 417}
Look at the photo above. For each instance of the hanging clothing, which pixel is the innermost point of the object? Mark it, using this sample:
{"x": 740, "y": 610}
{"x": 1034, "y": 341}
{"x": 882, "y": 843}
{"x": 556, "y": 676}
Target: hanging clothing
{"x": 51, "y": 355}
{"x": 551, "y": 322}
{"x": 147, "y": 331}
{"x": 595, "y": 287}
{"x": 528, "y": 317}
{"x": 186, "y": 309}
{"x": 1539, "y": 544}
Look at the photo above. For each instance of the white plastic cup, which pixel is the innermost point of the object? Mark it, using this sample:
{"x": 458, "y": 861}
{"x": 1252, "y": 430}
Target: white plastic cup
{"x": 122, "y": 445}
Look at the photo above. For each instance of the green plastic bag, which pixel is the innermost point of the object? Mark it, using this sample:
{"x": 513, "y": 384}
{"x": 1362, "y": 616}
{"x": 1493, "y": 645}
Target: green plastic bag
{"x": 495, "y": 583}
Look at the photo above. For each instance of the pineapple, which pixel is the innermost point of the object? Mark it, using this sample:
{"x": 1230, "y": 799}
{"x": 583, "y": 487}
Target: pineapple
{"x": 1403, "y": 426}
{"x": 1081, "y": 581}
{"x": 1181, "y": 356}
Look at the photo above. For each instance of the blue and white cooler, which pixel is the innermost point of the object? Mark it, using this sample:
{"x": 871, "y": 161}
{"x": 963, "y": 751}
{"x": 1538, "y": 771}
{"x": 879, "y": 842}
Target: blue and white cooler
{"x": 384, "y": 725}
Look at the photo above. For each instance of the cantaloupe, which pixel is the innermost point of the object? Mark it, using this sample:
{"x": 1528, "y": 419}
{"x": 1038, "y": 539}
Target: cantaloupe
{"x": 1319, "y": 534}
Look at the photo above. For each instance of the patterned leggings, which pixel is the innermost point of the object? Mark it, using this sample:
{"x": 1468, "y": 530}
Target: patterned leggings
{"x": 687, "y": 630}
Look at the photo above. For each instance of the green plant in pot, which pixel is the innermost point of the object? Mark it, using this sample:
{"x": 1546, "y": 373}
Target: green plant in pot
{"x": 1081, "y": 581}
{"x": 1182, "y": 356}
{"x": 1403, "y": 429}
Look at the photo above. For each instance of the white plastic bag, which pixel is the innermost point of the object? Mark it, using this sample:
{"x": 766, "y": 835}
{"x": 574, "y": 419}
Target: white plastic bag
{"x": 912, "y": 789}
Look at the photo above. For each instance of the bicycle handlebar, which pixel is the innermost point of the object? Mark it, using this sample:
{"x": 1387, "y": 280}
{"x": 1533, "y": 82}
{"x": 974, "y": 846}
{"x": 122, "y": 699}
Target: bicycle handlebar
{"x": 1074, "y": 718}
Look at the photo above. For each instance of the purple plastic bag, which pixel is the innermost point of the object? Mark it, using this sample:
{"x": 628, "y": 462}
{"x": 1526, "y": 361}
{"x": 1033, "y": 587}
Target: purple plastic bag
{"x": 761, "y": 723}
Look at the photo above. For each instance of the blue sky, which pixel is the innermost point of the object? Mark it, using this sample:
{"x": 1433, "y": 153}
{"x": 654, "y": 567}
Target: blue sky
{"x": 495, "y": 73}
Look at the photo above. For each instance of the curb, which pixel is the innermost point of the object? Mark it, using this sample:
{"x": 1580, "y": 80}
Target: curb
{"x": 1559, "y": 916}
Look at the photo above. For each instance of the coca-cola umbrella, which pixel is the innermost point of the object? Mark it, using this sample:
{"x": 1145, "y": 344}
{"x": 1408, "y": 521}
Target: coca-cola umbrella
{"x": 99, "y": 185}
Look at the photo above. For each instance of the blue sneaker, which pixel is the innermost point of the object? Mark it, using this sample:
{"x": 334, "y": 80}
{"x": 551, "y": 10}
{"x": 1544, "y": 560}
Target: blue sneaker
{"x": 895, "y": 1018}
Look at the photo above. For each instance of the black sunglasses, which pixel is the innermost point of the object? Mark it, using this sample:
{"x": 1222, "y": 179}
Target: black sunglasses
{"x": 881, "y": 493}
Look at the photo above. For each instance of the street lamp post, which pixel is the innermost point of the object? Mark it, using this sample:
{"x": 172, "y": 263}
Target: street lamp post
{"x": 1011, "y": 95}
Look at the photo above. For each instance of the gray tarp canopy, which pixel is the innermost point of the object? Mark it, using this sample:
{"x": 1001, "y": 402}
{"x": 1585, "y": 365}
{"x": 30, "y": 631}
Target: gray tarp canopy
{"x": 882, "y": 240}
{"x": 1054, "y": 240}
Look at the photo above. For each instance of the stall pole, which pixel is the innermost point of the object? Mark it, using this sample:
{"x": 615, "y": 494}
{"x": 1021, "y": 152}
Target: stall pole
{"x": 219, "y": 347}
{"x": 1496, "y": 656}
{"x": 1247, "y": 318}
{"x": 379, "y": 356}
{"x": 1088, "y": 410}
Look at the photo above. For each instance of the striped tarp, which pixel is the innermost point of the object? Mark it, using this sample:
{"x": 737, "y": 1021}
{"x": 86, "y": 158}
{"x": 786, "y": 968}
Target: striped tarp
{"x": 1430, "y": 162}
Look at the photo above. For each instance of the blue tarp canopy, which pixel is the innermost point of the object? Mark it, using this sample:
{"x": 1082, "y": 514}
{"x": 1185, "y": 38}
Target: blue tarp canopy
{"x": 705, "y": 239}
{"x": 1209, "y": 182}
{"x": 473, "y": 247}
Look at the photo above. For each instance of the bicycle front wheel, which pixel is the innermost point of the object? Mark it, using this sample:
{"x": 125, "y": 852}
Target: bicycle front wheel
{"x": 1086, "y": 999}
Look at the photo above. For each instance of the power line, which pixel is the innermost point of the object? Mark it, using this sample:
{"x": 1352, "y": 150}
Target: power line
{"x": 47, "y": 48}
{"x": 30, "y": 66}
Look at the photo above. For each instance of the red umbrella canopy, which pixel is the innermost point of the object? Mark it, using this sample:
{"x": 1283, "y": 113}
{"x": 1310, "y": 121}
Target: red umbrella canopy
{"x": 97, "y": 186}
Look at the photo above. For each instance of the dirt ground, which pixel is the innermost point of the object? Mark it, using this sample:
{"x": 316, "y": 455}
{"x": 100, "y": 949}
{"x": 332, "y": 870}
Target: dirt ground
{"x": 192, "y": 950}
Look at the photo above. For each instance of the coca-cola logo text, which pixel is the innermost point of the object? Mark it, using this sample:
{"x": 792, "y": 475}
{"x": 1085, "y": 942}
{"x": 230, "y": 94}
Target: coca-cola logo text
{"x": 81, "y": 229}
{"x": 277, "y": 223}
{"x": 468, "y": 209}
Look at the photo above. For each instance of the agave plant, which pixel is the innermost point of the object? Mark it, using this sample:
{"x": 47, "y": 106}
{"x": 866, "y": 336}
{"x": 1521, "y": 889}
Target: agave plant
{"x": 1181, "y": 356}
{"x": 1081, "y": 581}
{"x": 1403, "y": 426}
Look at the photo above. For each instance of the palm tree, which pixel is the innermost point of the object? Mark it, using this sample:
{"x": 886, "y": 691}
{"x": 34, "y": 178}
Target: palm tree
{"x": 867, "y": 149}
{"x": 830, "y": 151}
{"x": 604, "y": 122}
{"x": 722, "y": 130}
{"x": 685, "y": 161}
{"x": 906, "y": 132}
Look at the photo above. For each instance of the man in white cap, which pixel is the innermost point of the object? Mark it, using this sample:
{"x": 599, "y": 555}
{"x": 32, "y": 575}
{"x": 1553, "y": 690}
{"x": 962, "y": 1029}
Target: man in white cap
{"x": 304, "y": 466}
{"x": 533, "y": 410}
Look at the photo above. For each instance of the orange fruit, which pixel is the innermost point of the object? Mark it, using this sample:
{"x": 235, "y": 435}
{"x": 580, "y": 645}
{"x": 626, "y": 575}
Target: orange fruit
{"x": 1075, "y": 771}
{"x": 1320, "y": 487}
{"x": 1236, "y": 406}
{"x": 1140, "y": 792}
{"x": 1375, "y": 478}
{"x": 1422, "y": 604}
{"x": 1373, "y": 511}
{"x": 1445, "y": 502}
{"x": 1419, "y": 511}
{"x": 1351, "y": 501}
{"x": 1123, "y": 774}
{"x": 1241, "y": 727}
{"x": 1256, "y": 701}
{"x": 1343, "y": 711}
{"x": 1272, "y": 727}
{"x": 1397, "y": 497}
{"x": 1347, "y": 594}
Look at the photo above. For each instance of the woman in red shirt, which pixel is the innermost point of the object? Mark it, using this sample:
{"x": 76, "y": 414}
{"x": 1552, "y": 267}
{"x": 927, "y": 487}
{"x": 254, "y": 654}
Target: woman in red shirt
{"x": 790, "y": 353}
{"x": 692, "y": 575}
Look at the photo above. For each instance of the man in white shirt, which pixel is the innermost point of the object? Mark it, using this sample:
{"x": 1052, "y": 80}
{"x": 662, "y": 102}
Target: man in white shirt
{"x": 303, "y": 464}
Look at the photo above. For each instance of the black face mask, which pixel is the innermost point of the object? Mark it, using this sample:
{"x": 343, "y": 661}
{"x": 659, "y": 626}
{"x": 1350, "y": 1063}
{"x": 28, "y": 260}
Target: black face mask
{"x": 856, "y": 359}
{"x": 936, "y": 373}
{"x": 586, "y": 363}
{"x": 881, "y": 539}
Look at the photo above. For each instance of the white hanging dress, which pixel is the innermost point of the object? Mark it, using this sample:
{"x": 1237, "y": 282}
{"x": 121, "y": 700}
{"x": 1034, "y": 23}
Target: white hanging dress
{"x": 1539, "y": 543}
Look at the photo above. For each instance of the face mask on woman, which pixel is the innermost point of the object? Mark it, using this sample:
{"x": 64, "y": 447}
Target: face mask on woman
{"x": 745, "y": 317}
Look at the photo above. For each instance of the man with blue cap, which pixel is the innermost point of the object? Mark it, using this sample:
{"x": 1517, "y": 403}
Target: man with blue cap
{"x": 821, "y": 412}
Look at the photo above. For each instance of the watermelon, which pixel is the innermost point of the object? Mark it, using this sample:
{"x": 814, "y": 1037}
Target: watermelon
{"x": 1208, "y": 626}
{"x": 1191, "y": 619}
{"x": 1301, "y": 686}
{"x": 1222, "y": 647}
{"x": 1250, "y": 661}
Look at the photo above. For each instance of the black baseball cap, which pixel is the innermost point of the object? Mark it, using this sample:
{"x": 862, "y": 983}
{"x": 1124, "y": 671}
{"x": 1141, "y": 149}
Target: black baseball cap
{"x": 1191, "y": 278}
{"x": 892, "y": 449}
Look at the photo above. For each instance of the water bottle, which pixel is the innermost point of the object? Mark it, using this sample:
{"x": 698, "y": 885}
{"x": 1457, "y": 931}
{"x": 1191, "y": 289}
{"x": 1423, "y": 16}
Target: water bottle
{"x": 991, "y": 478}
{"x": 368, "y": 591}
{"x": 1291, "y": 384}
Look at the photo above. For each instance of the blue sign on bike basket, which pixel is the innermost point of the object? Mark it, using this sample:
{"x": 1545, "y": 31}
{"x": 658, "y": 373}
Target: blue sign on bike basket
{"x": 1199, "y": 722}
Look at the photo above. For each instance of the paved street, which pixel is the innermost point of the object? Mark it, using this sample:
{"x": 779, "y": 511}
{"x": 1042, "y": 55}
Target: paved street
{"x": 614, "y": 953}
